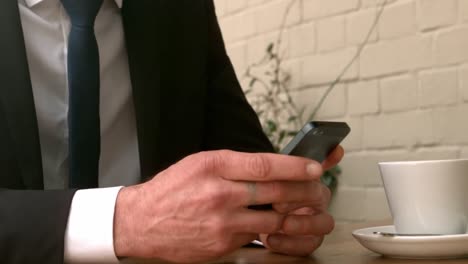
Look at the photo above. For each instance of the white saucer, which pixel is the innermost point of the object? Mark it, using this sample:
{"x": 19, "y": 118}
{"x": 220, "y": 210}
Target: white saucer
{"x": 412, "y": 247}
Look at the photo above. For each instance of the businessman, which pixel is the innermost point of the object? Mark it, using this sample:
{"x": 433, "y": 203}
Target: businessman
{"x": 100, "y": 94}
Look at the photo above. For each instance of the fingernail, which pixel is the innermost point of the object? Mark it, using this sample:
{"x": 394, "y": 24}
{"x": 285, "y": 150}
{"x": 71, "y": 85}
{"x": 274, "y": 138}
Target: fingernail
{"x": 314, "y": 170}
{"x": 274, "y": 241}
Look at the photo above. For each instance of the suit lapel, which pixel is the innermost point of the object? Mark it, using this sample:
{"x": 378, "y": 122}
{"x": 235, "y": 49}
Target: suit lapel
{"x": 16, "y": 98}
{"x": 145, "y": 37}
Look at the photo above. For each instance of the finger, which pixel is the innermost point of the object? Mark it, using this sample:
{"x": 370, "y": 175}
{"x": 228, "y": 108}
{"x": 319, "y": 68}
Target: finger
{"x": 256, "y": 167}
{"x": 281, "y": 192}
{"x": 257, "y": 222}
{"x": 292, "y": 245}
{"x": 334, "y": 158}
{"x": 318, "y": 205}
{"x": 317, "y": 225}
{"x": 298, "y": 208}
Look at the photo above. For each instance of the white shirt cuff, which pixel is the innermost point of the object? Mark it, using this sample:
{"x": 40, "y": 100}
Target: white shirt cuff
{"x": 89, "y": 237}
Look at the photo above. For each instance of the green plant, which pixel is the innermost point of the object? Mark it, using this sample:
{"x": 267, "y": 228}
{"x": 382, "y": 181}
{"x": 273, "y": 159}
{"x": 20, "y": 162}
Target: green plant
{"x": 269, "y": 90}
{"x": 281, "y": 118}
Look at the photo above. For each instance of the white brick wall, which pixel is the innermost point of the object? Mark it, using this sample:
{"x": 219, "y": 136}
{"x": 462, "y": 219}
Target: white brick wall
{"x": 396, "y": 56}
{"x": 406, "y": 97}
{"x": 436, "y": 13}
{"x": 331, "y": 33}
{"x": 301, "y": 41}
{"x": 363, "y": 97}
{"x": 376, "y": 206}
{"x": 322, "y": 8}
{"x": 439, "y": 87}
{"x": 399, "y": 93}
{"x": 323, "y": 68}
{"x": 269, "y": 16}
{"x": 358, "y": 25}
{"x": 451, "y": 46}
{"x": 463, "y": 73}
{"x": 463, "y": 6}
{"x": 399, "y": 20}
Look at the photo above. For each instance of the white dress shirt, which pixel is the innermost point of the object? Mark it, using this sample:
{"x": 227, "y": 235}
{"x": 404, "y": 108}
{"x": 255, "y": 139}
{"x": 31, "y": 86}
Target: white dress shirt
{"x": 89, "y": 234}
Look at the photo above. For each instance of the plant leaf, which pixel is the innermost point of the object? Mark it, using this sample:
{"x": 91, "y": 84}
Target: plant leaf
{"x": 272, "y": 126}
{"x": 281, "y": 137}
{"x": 270, "y": 47}
{"x": 252, "y": 82}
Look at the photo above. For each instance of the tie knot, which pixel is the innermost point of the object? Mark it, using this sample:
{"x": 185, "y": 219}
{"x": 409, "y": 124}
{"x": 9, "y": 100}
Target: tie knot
{"x": 82, "y": 12}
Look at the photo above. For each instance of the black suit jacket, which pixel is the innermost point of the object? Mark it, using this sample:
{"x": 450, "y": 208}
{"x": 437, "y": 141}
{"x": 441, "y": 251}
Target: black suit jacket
{"x": 187, "y": 99}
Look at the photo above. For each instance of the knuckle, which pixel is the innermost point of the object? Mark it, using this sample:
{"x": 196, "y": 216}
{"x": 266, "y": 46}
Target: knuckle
{"x": 211, "y": 161}
{"x": 222, "y": 196}
{"x": 276, "y": 190}
{"x": 216, "y": 195}
{"x": 189, "y": 161}
{"x": 282, "y": 208}
{"x": 214, "y": 201}
{"x": 297, "y": 225}
{"x": 273, "y": 225}
{"x": 277, "y": 223}
{"x": 258, "y": 166}
{"x": 288, "y": 226}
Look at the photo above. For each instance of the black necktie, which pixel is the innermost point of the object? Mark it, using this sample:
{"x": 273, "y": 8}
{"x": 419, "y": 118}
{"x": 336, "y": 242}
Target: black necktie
{"x": 83, "y": 82}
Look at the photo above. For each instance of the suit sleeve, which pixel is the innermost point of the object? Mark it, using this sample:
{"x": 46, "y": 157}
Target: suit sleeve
{"x": 231, "y": 121}
{"x": 32, "y": 226}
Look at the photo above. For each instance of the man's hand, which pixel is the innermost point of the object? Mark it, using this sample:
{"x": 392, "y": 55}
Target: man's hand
{"x": 306, "y": 223}
{"x": 197, "y": 209}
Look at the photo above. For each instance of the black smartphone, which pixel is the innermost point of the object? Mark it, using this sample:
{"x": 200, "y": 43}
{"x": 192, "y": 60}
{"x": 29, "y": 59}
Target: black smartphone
{"x": 315, "y": 141}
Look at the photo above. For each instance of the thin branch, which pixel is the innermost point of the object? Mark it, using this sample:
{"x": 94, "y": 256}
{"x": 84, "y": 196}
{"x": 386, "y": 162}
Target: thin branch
{"x": 283, "y": 24}
{"x": 260, "y": 81}
{"x": 356, "y": 56}
{"x": 279, "y": 59}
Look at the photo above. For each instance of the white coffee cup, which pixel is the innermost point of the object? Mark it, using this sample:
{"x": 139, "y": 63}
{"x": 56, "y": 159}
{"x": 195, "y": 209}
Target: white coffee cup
{"x": 427, "y": 197}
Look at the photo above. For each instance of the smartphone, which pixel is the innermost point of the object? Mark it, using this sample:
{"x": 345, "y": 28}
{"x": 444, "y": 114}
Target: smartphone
{"x": 315, "y": 141}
